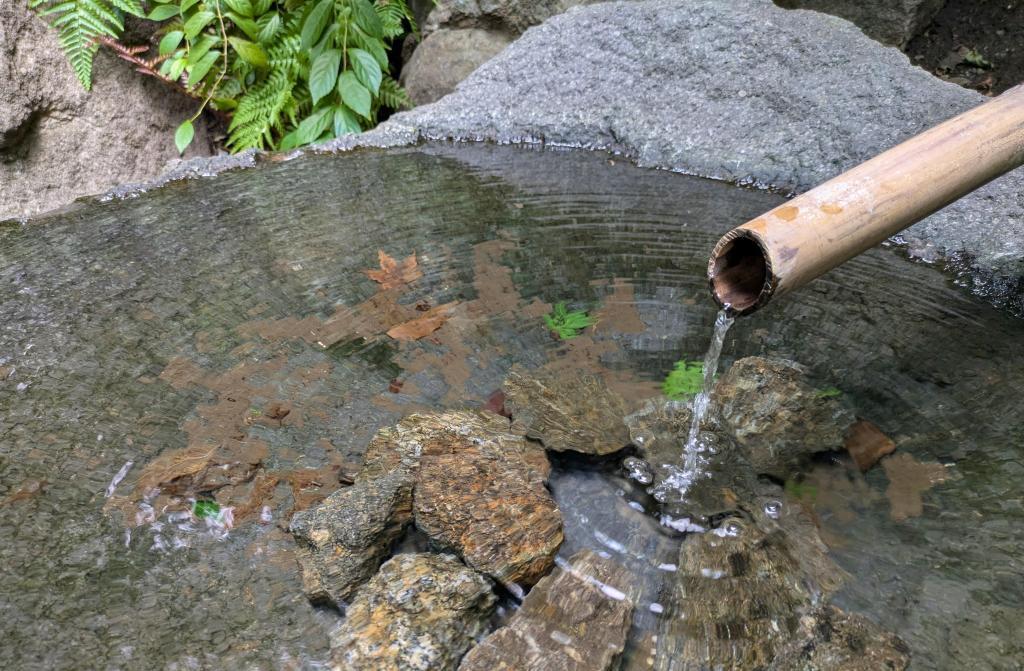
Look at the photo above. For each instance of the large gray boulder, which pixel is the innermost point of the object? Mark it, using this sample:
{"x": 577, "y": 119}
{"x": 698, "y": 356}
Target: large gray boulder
{"x": 58, "y": 141}
{"x": 446, "y": 57}
{"x": 743, "y": 91}
{"x": 893, "y": 22}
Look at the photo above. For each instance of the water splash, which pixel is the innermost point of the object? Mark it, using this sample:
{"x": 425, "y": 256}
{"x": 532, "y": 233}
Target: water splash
{"x": 694, "y": 459}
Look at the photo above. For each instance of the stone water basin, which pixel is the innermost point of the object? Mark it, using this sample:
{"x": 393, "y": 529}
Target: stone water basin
{"x": 223, "y": 336}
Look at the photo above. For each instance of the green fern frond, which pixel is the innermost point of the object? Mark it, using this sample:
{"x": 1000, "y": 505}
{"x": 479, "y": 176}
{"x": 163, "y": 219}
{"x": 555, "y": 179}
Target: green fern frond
{"x": 80, "y": 22}
{"x": 392, "y": 95}
{"x": 264, "y": 109}
{"x": 392, "y": 13}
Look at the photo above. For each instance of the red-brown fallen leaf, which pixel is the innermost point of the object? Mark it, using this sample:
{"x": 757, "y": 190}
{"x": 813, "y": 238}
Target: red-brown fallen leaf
{"x": 394, "y": 274}
{"x": 414, "y": 329}
{"x": 867, "y": 444}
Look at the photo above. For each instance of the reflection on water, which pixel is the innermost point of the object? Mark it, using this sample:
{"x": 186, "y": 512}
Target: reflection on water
{"x": 175, "y": 343}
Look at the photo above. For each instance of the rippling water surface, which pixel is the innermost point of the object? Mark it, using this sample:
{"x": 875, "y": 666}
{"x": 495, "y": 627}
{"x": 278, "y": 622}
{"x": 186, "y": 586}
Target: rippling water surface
{"x": 232, "y": 311}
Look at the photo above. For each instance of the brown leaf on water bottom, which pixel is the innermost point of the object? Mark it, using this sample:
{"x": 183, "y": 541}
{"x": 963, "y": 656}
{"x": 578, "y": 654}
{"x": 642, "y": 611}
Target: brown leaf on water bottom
{"x": 414, "y": 329}
{"x": 908, "y": 479}
{"x": 392, "y": 273}
{"x": 866, "y": 444}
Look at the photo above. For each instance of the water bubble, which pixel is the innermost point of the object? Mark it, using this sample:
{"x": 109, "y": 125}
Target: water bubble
{"x": 638, "y": 470}
{"x": 773, "y": 509}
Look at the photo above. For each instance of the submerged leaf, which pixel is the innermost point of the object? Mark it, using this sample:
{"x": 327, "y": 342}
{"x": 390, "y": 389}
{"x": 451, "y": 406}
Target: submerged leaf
{"x": 568, "y": 324}
{"x": 686, "y": 379}
{"x": 204, "y": 509}
{"x": 392, "y": 273}
{"x": 415, "y": 329}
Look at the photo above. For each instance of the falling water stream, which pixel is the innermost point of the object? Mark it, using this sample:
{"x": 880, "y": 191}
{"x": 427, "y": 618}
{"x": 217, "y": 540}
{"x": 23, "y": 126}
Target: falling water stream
{"x": 693, "y": 456}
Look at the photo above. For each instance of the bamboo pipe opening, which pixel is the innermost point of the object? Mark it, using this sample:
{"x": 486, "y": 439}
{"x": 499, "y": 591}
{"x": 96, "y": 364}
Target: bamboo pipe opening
{"x": 740, "y": 272}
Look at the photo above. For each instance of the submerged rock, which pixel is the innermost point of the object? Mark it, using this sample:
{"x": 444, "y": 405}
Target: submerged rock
{"x": 830, "y": 640}
{"x": 420, "y": 612}
{"x": 777, "y": 419}
{"x": 482, "y": 493}
{"x": 575, "y": 619}
{"x": 343, "y": 541}
{"x": 742, "y": 588}
{"x": 567, "y": 411}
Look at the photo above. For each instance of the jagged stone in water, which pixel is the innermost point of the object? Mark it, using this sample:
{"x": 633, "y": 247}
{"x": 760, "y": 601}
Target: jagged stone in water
{"x": 342, "y": 541}
{"x": 775, "y": 416}
{"x": 742, "y": 588}
{"x": 567, "y": 411}
{"x": 575, "y": 619}
{"x": 829, "y": 639}
{"x": 420, "y": 612}
{"x": 481, "y": 492}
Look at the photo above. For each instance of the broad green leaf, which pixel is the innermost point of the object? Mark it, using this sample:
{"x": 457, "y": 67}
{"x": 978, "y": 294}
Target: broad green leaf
{"x": 177, "y": 67}
{"x": 354, "y": 94}
{"x": 197, "y": 22}
{"x": 376, "y": 47}
{"x": 187, "y": 5}
{"x": 248, "y": 26}
{"x": 202, "y": 47}
{"x": 162, "y": 13}
{"x": 315, "y": 23}
{"x": 260, "y": 7}
{"x": 183, "y": 136}
{"x": 170, "y": 42}
{"x": 199, "y": 70}
{"x": 289, "y": 141}
{"x": 323, "y": 75}
{"x": 366, "y": 68}
{"x": 224, "y": 104}
{"x": 268, "y": 25}
{"x": 345, "y": 121}
{"x": 204, "y": 509}
{"x": 243, "y": 7}
{"x": 249, "y": 52}
{"x": 313, "y": 125}
{"x": 366, "y": 18}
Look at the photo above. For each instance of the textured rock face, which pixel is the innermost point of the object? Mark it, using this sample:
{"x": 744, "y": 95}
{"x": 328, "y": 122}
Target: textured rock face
{"x": 446, "y": 57}
{"x": 575, "y": 619}
{"x": 892, "y": 22}
{"x": 830, "y": 640}
{"x": 343, "y": 541}
{"x": 57, "y": 141}
{"x": 567, "y": 411}
{"x": 514, "y": 16}
{"x": 741, "y": 90}
{"x": 420, "y": 612}
{"x": 483, "y": 495}
{"x": 776, "y": 418}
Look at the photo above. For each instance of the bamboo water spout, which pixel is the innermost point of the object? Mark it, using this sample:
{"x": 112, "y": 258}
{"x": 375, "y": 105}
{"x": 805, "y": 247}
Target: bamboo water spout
{"x": 796, "y": 242}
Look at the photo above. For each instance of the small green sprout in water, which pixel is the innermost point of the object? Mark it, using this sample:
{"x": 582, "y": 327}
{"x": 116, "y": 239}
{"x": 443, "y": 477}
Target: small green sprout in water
{"x": 685, "y": 380}
{"x": 205, "y": 509}
{"x": 801, "y": 491}
{"x": 568, "y": 324}
{"x": 828, "y": 392}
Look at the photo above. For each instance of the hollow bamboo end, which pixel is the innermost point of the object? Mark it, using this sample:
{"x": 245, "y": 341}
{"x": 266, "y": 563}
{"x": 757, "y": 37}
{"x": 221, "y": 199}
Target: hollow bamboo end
{"x": 740, "y": 272}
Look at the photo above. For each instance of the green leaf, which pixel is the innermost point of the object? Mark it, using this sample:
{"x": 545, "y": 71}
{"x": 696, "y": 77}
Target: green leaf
{"x": 197, "y": 72}
{"x": 183, "y": 136}
{"x": 567, "y": 324}
{"x": 187, "y": 5}
{"x": 177, "y": 67}
{"x": 289, "y": 141}
{"x": 170, "y": 42}
{"x": 250, "y": 52}
{"x": 685, "y": 380}
{"x": 315, "y": 23}
{"x": 133, "y": 7}
{"x": 243, "y": 7}
{"x": 248, "y": 26}
{"x": 202, "y": 47}
{"x": 366, "y": 68}
{"x": 313, "y": 125}
{"x": 260, "y": 7}
{"x": 204, "y": 509}
{"x": 376, "y": 47}
{"x": 162, "y": 13}
{"x": 828, "y": 392}
{"x": 268, "y": 25}
{"x": 323, "y": 75}
{"x": 197, "y": 22}
{"x": 354, "y": 94}
{"x": 367, "y": 19}
{"x": 345, "y": 121}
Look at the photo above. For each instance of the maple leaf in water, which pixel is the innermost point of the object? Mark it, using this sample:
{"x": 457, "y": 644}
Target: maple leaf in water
{"x": 394, "y": 274}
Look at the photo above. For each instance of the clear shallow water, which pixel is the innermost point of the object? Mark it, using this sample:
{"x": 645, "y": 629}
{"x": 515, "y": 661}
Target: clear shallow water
{"x": 104, "y": 309}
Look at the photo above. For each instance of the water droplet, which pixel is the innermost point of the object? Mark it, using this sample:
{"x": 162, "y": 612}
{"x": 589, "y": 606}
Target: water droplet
{"x": 773, "y": 509}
